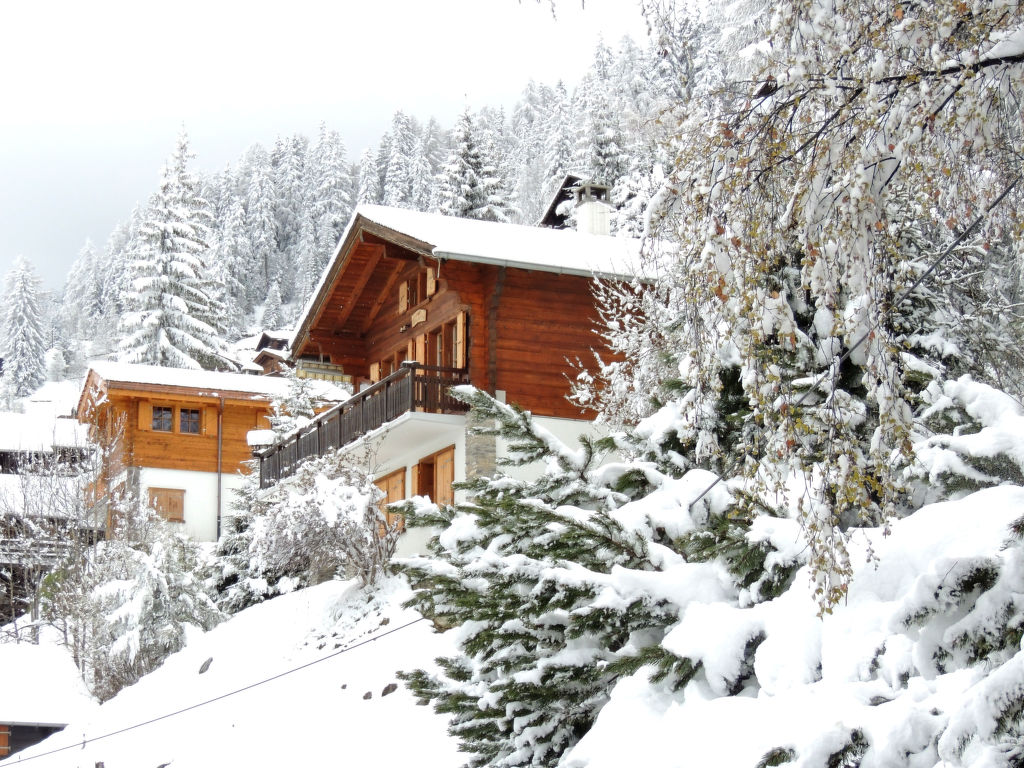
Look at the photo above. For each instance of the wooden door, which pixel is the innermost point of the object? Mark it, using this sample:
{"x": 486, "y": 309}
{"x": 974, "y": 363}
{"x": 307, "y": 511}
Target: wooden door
{"x": 444, "y": 476}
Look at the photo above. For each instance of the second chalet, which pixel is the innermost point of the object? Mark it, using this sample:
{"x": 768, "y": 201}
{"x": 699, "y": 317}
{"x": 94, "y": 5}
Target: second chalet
{"x": 413, "y": 303}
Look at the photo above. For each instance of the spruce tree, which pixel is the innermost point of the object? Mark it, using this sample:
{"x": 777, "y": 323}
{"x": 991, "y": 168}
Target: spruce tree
{"x": 273, "y": 317}
{"x": 471, "y": 185}
{"x": 171, "y": 317}
{"x": 521, "y": 568}
{"x": 369, "y": 179}
{"x": 23, "y": 347}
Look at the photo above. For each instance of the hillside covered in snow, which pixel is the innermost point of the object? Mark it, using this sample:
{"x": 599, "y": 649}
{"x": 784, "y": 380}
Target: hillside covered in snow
{"x": 342, "y": 708}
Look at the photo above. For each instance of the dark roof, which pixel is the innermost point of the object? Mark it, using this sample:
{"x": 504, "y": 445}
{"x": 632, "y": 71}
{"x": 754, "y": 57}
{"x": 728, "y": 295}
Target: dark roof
{"x": 551, "y": 217}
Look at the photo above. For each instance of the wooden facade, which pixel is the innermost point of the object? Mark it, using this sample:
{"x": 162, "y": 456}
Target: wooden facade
{"x": 388, "y": 299}
{"x": 129, "y": 414}
{"x": 143, "y": 425}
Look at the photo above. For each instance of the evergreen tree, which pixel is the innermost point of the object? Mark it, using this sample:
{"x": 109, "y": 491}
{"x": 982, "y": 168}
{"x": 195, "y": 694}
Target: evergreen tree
{"x": 331, "y": 200}
{"x": 171, "y": 314}
{"x": 369, "y": 179}
{"x": 273, "y": 317}
{"x": 401, "y": 162}
{"x": 231, "y": 261}
{"x": 521, "y": 567}
{"x": 23, "y": 346}
{"x": 261, "y": 203}
{"x": 470, "y": 185}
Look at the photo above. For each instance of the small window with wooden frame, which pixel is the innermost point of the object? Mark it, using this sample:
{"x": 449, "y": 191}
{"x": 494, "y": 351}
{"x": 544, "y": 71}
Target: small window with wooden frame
{"x": 178, "y": 419}
{"x": 416, "y": 289}
{"x": 163, "y": 418}
{"x": 189, "y": 420}
{"x": 169, "y": 503}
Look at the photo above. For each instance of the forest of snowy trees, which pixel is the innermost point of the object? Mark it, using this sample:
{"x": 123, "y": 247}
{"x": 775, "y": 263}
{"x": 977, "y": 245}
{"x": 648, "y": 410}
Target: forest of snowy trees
{"x": 213, "y": 256}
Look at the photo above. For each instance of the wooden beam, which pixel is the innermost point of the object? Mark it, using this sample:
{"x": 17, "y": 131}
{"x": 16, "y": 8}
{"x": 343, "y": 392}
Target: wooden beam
{"x": 376, "y": 253}
{"x": 382, "y": 297}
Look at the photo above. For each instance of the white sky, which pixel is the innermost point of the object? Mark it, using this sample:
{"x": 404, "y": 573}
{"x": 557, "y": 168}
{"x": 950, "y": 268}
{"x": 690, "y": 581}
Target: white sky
{"x": 93, "y": 93}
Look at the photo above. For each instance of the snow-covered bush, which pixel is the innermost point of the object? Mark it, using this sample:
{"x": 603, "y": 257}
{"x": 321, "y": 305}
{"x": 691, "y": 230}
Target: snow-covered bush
{"x": 323, "y": 521}
{"x": 131, "y": 601}
{"x": 583, "y": 611}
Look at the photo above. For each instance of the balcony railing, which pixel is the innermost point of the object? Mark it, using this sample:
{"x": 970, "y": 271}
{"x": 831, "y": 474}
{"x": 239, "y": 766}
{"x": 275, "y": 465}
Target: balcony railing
{"x": 413, "y": 387}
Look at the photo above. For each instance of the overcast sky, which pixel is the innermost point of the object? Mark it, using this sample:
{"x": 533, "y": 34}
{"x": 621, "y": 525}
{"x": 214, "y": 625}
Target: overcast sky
{"x": 93, "y": 93}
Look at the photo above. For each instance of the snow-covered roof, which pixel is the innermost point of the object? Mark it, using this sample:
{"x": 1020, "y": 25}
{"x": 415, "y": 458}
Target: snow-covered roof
{"x": 54, "y": 398}
{"x": 512, "y": 245}
{"x": 207, "y": 382}
{"x": 41, "y": 686}
{"x": 39, "y": 432}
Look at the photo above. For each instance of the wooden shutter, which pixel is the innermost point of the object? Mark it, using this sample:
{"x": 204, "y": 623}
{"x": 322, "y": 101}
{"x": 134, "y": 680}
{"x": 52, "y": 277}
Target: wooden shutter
{"x": 210, "y": 422}
{"x": 146, "y": 416}
{"x": 169, "y": 503}
{"x": 374, "y": 372}
{"x": 421, "y": 348}
{"x": 444, "y": 476}
{"x": 423, "y": 479}
{"x": 431, "y": 282}
{"x": 459, "y": 356}
{"x": 393, "y": 486}
{"x": 403, "y": 297}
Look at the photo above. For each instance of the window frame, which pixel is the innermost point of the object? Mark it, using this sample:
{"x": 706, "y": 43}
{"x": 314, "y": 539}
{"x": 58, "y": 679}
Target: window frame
{"x": 197, "y": 412}
{"x": 158, "y": 417}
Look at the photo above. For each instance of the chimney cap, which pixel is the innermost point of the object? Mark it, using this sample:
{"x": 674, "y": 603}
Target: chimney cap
{"x": 590, "y": 191}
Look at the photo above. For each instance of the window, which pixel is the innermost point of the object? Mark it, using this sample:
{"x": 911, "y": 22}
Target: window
{"x": 178, "y": 419}
{"x": 189, "y": 421}
{"x": 163, "y": 418}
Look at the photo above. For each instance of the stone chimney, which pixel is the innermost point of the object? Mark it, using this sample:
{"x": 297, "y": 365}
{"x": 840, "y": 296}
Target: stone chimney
{"x": 593, "y": 213}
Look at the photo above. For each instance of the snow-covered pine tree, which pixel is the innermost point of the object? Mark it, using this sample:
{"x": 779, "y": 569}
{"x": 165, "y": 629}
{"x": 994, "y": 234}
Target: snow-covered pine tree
{"x": 273, "y": 317}
{"x": 230, "y": 261}
{"x": 290, "y": 172}
{"x": 55, "y": 364}
{"x": 331, "y": 199}
{"x": 260, "y": 205}
{"x": 171, "y": 315}
{"x": 470, "y": 185}
{"x": 527, "y": 570}
{"x": 23, "y": 347}
{"x": 558, "y": 140}
{"x": 401, "y": 162}
{"x": 82, "y": 304}
{"x": 369, "y": 178}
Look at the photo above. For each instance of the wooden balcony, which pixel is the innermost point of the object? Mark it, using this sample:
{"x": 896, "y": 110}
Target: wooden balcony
{"x": 413, "y": 387}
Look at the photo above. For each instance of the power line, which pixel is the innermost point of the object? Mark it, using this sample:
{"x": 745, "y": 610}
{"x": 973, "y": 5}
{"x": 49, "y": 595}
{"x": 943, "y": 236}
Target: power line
{"x": 903, "y": 297}
{"x": 81, "y": 744}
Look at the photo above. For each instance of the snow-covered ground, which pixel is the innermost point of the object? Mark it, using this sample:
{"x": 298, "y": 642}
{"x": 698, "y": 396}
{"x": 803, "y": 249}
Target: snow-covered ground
{"x": 331, "y": 713}
{"x": 40, "y": 685}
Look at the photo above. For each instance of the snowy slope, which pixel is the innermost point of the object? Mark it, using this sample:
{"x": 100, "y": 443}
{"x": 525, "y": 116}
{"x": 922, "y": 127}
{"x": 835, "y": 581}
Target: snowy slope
{"x": 315, "y": 717}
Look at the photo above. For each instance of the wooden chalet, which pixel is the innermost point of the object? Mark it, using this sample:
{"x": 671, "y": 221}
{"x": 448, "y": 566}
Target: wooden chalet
{"x": 177, "y": 438}
{"x": 412, "y": 303}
